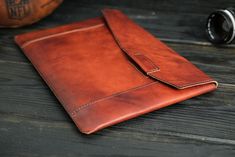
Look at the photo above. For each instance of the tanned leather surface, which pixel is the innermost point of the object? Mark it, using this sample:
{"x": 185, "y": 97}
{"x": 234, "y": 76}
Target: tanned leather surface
{"x": 17, "y": 13}
{"x": 108, "y": 69}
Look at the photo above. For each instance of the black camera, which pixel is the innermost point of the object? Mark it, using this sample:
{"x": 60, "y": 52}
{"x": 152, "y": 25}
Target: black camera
{"x": 220, "y": 26}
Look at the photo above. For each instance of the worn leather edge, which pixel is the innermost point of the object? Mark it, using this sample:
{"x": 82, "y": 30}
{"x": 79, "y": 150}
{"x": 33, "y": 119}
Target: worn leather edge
{"x": 107, "y": 112}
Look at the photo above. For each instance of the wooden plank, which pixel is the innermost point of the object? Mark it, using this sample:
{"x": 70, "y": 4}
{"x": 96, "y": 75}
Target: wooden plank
{"x": 33, "y": 122}
{"x": 25, "y": 94}
{"x": 28, "y": 137}
{"x": 216, "y": 62}
{"x": 193, "y": 6}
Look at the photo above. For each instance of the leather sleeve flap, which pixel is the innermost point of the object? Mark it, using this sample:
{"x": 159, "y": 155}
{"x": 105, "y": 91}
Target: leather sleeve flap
{"x": 151, "y": 55}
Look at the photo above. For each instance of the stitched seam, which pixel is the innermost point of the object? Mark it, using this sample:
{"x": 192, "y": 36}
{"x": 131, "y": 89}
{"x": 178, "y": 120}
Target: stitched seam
{"x": 197, "y": 83}
{"x": 109, "y": 97}
{"x": 184, "y": 85}
{"x": 61, "y": 33}
{"x": 156, "y": 68}
{"x": 140, "y": 72}
{"x": 82, "y": 107}
{"x": 153, "y": 71}
{"x": 180, "y": 86}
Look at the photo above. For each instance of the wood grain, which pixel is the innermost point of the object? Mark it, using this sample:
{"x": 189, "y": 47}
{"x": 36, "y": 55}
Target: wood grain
{"x": 43, "y": 138}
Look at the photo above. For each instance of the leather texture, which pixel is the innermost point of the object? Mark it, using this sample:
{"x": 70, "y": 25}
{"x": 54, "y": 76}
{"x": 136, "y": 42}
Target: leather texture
{"x": 17, "y": 13}
{"x": 108, "y": 69}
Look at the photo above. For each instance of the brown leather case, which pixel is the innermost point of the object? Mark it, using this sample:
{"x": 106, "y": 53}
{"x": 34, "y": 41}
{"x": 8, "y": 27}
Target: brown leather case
{"x": 108, "y": 69}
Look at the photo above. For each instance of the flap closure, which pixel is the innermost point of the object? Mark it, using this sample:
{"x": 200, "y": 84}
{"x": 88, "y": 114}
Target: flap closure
{"x": 151, "y": 55}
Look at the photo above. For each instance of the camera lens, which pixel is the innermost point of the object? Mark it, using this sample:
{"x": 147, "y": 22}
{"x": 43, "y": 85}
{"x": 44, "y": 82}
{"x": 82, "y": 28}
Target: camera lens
{"x": 221, "y": 26}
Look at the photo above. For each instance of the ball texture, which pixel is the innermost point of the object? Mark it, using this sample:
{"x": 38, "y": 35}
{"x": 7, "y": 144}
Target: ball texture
{"x": 17, "y": 13}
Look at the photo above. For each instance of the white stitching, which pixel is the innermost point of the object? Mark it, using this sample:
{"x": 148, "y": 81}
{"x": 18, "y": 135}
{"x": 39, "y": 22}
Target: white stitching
{"x": 61, "y": 33}
{"x": 187, "y": 85}
{"x": 109, "y": 97}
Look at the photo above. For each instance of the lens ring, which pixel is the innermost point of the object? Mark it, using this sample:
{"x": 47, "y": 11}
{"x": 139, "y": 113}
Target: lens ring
{"x": 220, "y": 27}
{"x": 233, "y": 24}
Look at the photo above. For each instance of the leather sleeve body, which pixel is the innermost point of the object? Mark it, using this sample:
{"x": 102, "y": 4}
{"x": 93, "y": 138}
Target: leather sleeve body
{"x": 108, "y": 69}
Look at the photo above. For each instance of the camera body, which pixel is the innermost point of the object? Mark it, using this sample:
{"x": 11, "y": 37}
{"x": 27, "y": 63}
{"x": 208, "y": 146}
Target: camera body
{"x": 220, "y": 27}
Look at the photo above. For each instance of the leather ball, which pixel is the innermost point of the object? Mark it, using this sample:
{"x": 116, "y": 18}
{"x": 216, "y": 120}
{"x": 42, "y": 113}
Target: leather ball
{"x": 17, "y": 13}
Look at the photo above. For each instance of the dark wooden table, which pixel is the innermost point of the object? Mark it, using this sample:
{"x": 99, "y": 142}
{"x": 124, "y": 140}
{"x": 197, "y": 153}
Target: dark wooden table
{"x": 33, "y": 123}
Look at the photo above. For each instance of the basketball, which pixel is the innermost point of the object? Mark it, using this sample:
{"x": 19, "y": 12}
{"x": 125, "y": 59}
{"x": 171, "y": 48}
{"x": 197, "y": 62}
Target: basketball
{"x": 17, "y": 13}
